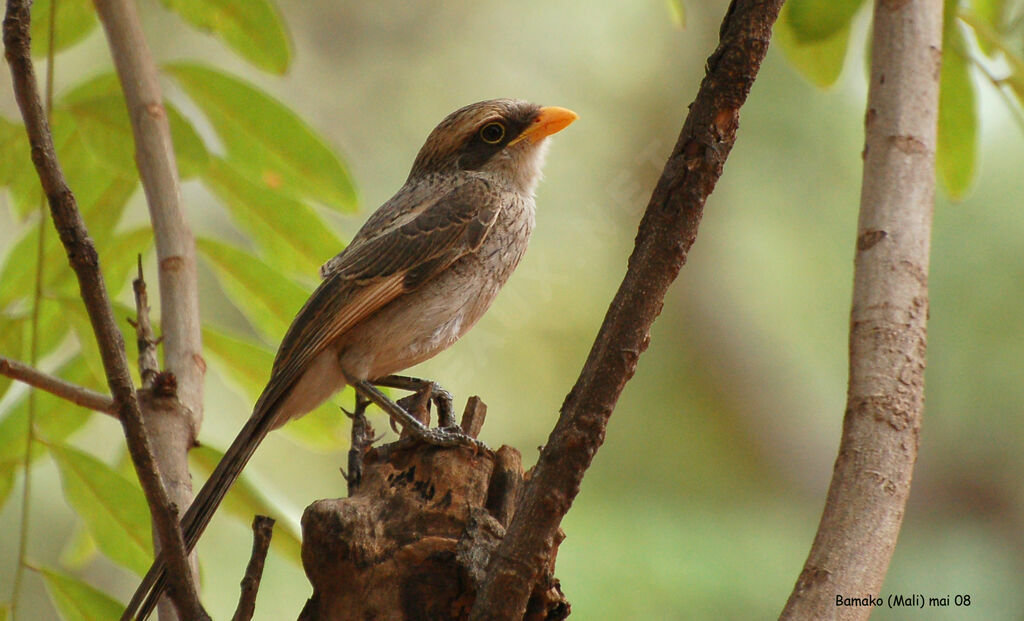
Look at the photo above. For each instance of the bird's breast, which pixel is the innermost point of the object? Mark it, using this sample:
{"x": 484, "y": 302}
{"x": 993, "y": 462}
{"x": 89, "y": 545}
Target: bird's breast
{"x": 423, "y": 322}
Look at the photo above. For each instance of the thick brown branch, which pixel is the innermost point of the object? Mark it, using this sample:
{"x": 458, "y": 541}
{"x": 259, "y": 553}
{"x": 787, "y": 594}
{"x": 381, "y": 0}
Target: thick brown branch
{"x": 79, "y": 395}
{"x": 262, "y": 531}
{"x": 871, "y": 479}
{"x": 85, "y": 262}
{"x": 667, "y": 231}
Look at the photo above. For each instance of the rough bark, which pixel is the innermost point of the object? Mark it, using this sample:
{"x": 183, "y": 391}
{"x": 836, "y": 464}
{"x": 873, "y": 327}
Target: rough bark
{"x": 414, "y": 537}
{"x": 871, "y": 480}
{"x": 668, "y": 229}
{"x": 262, "y": 532}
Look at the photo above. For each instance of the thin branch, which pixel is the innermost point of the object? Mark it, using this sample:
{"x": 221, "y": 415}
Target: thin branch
{"x": 154, "y": 156}
{"x": 79, "y": 395}
{"x": 885, "y": 399}
{"x": 37, "y": 304}
{"x": 668, "y": 229}
{"x": 85, "y": 262}
{"x": 362, "y": 440}
{"x": 145, "y": 340}
{"x": 262, "y": 531}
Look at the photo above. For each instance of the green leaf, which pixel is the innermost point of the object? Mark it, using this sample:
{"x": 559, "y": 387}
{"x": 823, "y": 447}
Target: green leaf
{"x": 53, "y": 328}
{"x": 266, "y": 140}
{"x": 957, "y": 141}
{"x": 7, "y": 472}
{"x": 992, "y": 14}
{"x": 78, "y": 601}
{"x": 247, "y": 498}
{"x": 264, "y": 296}
{"x": 14, "y": 151}
{"x": 13, "y": 344}
{"x": 102, "y": 201}
{"x": 80, "y": 548}
{"x": 248, "y": 365}
{"x": 814, "y": 20}
{"x": 89, "y": 170}
{"x": 112, "y": 508}
{"x": 55, "y": 419}
{"x": 253, "y": 28}
{"x": 189, "y": 150}
{"x": 74, "y": 21}
{"x": 119, "y": 258}
{"x": 78, "y": 318}
{"x": 243, "y": 362}
{"x": 101, "y": 115}
{"x": 819, "y": 60}
{"x": 291, "y": 236}
{"x": 101, "y": 119}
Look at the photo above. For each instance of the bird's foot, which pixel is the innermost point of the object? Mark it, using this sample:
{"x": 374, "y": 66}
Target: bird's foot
{"x": 425, "y": 392}
{"x": 445, "y": 435}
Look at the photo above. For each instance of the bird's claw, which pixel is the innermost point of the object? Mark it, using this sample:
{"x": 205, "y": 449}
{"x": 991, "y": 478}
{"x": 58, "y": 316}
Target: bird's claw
{"x": 449, "y": 436}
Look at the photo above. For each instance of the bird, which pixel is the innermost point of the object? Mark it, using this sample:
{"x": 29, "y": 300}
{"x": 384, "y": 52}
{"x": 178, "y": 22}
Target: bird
{"x": 418, "y": 274}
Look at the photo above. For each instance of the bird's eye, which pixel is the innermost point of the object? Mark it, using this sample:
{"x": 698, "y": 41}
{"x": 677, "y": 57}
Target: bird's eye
{"x": 492, "y": 133}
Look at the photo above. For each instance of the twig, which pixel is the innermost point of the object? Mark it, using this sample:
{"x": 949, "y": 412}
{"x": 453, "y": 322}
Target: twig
{"x": 362, "y": 439}
{"x": 473, "y": 417}
{"x": 885, "y": 399}
{"x": 85, "y": 262}
{"x": 145, "y": 340}
{"x": 262, "y": 531}
{"x": 79, "y": 395}
{"x": 33, "y": 358}
{"x": 667, "y": 231}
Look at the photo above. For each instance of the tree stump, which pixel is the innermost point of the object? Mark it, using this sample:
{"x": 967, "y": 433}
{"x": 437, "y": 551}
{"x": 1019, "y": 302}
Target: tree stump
{"x": 413, "y": 539}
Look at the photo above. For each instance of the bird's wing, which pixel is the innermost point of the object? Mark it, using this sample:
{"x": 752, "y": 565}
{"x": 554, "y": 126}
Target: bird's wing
{"x": 374, "y": 270}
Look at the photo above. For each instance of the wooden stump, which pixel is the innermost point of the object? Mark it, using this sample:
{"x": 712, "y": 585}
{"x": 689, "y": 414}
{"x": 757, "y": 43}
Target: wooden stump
{"x": 413, "y": 539}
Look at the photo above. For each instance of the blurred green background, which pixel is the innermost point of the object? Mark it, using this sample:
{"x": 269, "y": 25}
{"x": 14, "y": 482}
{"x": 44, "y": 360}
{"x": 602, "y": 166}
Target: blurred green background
{"x": 704, "y": 500}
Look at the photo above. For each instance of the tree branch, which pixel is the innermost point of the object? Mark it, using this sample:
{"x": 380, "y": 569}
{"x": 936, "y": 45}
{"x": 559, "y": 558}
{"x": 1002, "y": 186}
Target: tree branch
{"x": 79, "y": 395}
{"x": 154, "y": 156}
{"x": 85, "y": 262}
{"x": 262, "y": 531}
{"x": 885, "y": 399}
{"x": 174, "y": 420}
{"x": 668, "y": 229}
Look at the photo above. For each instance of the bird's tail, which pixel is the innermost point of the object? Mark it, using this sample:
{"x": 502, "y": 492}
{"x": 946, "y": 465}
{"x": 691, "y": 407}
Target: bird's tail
{"x": 203, "y": 507}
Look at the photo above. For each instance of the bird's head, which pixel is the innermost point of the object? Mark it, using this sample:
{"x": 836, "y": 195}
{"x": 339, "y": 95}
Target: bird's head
{"x": 505, "y": 137}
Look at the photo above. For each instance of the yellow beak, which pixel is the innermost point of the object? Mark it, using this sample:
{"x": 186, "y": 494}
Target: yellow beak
{"x": 549, "y": 120}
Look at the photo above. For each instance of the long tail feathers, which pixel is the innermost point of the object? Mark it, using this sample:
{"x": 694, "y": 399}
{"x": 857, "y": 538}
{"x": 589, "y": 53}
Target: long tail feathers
{"x": 203, "y": 507}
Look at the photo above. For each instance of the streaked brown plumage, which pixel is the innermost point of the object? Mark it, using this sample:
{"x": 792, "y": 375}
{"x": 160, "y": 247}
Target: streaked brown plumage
{"x": 419, "y": 273}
